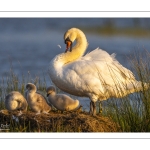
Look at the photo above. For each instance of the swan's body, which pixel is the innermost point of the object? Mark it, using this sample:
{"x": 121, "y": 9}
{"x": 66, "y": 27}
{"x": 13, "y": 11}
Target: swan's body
{"x": 36, "y": 101}
{"x": 96, "y": 75}
{"x": 61, "y": 101}
{"x": 15, "y": 101}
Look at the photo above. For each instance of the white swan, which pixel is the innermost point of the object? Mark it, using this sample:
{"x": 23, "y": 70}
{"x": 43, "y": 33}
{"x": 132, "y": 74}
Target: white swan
{"x": 15, "y": 101}
{"x": 36, "y": 101}
{"x": 96, "y": 75}
{"x": 61, "y": 101}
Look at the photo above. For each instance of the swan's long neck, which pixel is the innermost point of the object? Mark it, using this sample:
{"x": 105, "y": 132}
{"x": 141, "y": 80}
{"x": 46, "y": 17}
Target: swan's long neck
{"x": 77, "y": 51}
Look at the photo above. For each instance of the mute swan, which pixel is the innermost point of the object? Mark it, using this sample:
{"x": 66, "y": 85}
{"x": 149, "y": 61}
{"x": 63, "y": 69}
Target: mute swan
{"x": 36, "y": 101}
{"x": 96, "y": 75}
{"x": 61, "y": 101}
{"x": 15, "y": 101}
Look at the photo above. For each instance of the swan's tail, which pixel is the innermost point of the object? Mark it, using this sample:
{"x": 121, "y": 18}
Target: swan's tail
{"x": 133, "y": 87}
{"x": 121, "y": 90}
{"x": 138, "y": 86}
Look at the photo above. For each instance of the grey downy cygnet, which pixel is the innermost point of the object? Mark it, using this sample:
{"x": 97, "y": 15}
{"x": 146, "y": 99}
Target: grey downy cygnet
{"x": 36, "y": 101}
{"x": 61, "y": 102}
{"x": 15, "y": 101}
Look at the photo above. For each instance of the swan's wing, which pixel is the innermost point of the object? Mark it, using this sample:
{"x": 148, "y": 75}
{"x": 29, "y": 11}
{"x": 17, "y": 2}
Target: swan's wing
{"x": 112, "y": 63}
{"x": 94, "y": 70}
{"x": 97, "y": 54}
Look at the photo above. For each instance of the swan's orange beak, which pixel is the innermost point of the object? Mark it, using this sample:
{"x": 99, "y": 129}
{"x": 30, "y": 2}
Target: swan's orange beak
{"x": 68, "y": 45}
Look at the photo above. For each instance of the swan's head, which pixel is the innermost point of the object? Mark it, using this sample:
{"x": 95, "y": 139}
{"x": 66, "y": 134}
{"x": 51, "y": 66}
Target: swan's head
{"x": 69, "y": 38}
{"x": 50, "y": 90}
{"x": 31, "y": 87}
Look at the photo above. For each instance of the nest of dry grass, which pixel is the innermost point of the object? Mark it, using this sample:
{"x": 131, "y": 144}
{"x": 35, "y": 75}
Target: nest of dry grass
{"x": 56, "y": 122}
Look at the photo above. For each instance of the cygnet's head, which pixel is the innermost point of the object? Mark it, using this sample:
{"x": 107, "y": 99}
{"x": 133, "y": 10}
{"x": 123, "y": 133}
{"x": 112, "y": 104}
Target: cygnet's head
{"x": 31, "y": 87}
{"x": 50, "y": 90}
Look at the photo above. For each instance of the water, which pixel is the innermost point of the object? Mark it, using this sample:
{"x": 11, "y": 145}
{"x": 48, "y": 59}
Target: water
{"x": 30, "y": 43}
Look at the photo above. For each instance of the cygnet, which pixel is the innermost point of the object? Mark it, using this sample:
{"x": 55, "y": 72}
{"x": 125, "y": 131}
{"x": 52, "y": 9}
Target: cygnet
{"x": 15, "y": 101}
{"x": 61, "y": 101}
{"x": 37, "y": 102}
